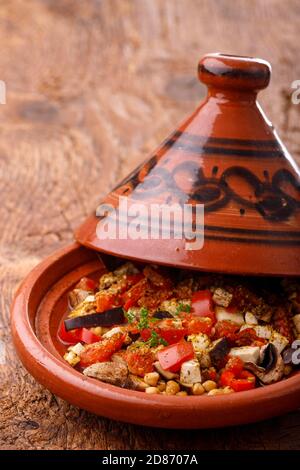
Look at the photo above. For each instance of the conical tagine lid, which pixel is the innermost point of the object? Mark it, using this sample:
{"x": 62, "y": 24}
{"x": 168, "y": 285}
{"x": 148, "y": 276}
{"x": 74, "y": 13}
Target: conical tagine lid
{"x": 226, "y": 159}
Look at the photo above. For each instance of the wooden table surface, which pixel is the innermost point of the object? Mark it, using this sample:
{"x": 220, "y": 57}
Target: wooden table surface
{"x": 92, "y": 87}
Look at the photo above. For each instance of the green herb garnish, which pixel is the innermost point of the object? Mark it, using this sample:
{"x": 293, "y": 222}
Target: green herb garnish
{"x": 144, "y": 320}
{"x": 183, "y": 308}
{"x": 130, "y": 315}
{"x": 155, "y": 340}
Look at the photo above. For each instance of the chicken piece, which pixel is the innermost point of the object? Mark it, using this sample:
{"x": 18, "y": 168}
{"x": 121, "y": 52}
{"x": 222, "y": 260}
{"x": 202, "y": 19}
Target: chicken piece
{"x": 246, "y": 353}
{"x": 113, "y": 331}
{"x": 173, "y": 306}
{"x": 76, "y": 349}
{"x": 77, "y": 296}
{"x": 279, "y": 341}
{"x": 250, "y": 319}
{"x": 223, "y": 314}
{"x": 114, "y": 373}
{"x": 200, "y": 342}
{"x": 107, "y": 280}
{"x": 84, "y": 308}
{"x": 263, "y": 331}
{"x": 190, "y": 373}
{"x": 222, "y": 297}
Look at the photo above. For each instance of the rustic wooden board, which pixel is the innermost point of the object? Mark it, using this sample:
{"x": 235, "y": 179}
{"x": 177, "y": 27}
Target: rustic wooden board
{"x": 92, "y": 87}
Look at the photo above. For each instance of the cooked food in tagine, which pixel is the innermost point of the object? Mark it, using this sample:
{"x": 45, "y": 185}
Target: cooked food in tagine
{"x": 182, "y": 333}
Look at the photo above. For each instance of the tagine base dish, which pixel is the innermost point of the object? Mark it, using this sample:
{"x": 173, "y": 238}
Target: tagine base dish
{"x": 39, "y": 305}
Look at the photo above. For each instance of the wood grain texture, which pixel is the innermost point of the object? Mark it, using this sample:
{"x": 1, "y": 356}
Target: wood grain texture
{"x": 92, "y": 87}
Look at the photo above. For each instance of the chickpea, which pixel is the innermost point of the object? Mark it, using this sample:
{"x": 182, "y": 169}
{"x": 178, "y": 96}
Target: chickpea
{"x": 172, "y": 387}
{"x": 181, "y": 394}
{"x": 97, "y": 330}
{"x": 215, "y": 391}
{"x": 228, "y": 390}
{"x": 209, "y": 385}
{"x": 161, "y": 385}
{"x": 151, "y": 378}
{"x": 198, "y": 389}
{"x": 152, "y": 390}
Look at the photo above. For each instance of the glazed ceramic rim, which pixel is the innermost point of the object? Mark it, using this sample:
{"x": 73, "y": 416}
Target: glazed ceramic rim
{"x": 156, "y": 410}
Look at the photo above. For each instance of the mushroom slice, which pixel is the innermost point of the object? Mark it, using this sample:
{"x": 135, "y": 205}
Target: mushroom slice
{"x": 134, "y": 382}
{"x": 165, "y": 373}
{"x": 219, "y": 349}
{"x": 114, "y": 373}
{"x": 271, "y": 367}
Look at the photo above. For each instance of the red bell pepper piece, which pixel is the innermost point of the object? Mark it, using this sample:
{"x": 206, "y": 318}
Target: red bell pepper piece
{"x": 202, "y": 304}
{"x": 76, "y": 336}
{"x": 240, "y": 382}
{"x": 87, "y": 336}
{"x": 171, "y": 357}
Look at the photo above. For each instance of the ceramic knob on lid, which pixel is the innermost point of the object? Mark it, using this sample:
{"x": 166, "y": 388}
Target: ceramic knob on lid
{"x": 227, "y": 159}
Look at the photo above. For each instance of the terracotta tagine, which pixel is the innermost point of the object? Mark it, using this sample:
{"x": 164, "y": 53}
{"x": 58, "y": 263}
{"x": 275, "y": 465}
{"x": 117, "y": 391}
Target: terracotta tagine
{"x": 227, "y": 156}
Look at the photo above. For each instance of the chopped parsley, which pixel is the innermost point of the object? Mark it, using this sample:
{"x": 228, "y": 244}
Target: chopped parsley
{"x": 144, "y": 320}
{"x": 183, "y": 308}
{"x": 130, "y": 315}
{"x": 155, "y": 340}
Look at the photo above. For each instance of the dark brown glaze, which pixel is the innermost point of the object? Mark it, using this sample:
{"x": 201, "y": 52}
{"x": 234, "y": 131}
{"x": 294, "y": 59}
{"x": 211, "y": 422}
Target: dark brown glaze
{"x": 228, "y": 157}
{"x": 38, "y": 308}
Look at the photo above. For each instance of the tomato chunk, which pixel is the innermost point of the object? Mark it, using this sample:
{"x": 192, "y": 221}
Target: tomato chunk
{"x": 246, "y": 381}
{"x": 106, "y": 301}
{"x": 226, "y": 378}
{"x": 139, "y": 360}
{"x": 195, "y": 325}
{"x": 202, "y": 304}
{"x": 130, "y": 297}
{"x": 171, "y": 357}
{"x": 248, "y": 337}
{"x": 227, "y": 329}
{"x": 101, "y": 351}
{"x": 235, "y": 365}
